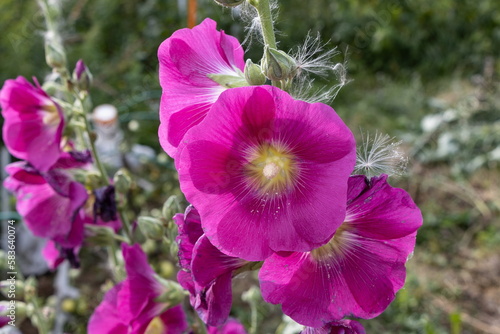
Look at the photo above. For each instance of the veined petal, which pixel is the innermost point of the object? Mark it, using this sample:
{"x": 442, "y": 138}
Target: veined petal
{"x": 187, "y": 59}
{"x": 267, "y": 173}
{"x": 33, "y": 123}
{"x": 358, "y": 272}
{"x": 210, "y": 263}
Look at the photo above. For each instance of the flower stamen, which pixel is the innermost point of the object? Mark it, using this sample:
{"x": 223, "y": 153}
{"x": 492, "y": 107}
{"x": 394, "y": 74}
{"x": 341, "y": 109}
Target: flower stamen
{"x": 271, "y": 168}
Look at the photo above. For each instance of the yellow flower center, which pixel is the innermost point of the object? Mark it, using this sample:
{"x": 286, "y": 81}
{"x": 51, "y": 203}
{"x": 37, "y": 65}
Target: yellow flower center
{"x": 336, "y": 247}
{"x": 51, "y": 115}
{"x": 271, "y": 168}
{"x": 156, "y": 326}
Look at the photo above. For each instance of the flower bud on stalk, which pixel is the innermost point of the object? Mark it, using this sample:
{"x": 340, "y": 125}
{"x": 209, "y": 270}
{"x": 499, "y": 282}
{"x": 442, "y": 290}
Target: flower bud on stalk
{"x": 151, "y": 227}
{"x": 277, "y": 65}
{"x": 18, "y": 310}
{"x": 173, "y": 294}
{"x": 169, "y": 207}
{"x": 122, "y": 181}
{"x": 229, "y": 3}
{"x": 100, "y": 235}
{"x": 82, "y": 76}
{"x": 55, "y": 55}
{"x": 253, "y": 74}
{"x": 8, "y": 287}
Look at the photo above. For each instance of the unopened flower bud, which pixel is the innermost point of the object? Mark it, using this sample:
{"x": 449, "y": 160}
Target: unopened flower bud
{"x": 166, "y": 269}
{"x": 12, "y": 288}
{"x": 229, "y": 3}
{"x": 253, "y": 74}
{"x": 173, "y": 294}
{"x": 252, "y": 295}
{"x": 54, "y": 54}
{"x": 277, "y": 65}
{"x": 82, "y": 76}
{"x": 30, "y": 287}
{"x": 13, "y": 309}
{"x": 68, "y": 305}
{"x": 151, "y": 227}
{"x": 122, "y": 181}
{"x": 99, "y": 235}
{"x": 169, "y": 207}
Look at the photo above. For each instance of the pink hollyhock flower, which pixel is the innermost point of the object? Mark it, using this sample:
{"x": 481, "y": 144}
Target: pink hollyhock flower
{"x": 187, "y": 61}
{"x": 358, "y": 272}
{"x": 232, "y": 326}
{"x": 33, "y": 123}
{"x": 337, "y": 327}
{"x": 207, "y": 273}
{"x": 49, "y": 202}
{"x": 131, "y": 307}
{"x": 267, "y": 173}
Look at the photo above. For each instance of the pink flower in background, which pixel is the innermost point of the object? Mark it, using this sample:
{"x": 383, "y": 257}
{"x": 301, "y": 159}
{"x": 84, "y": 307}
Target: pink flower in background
{"x": 33, "y": 123}
{"x": 267, "y": 173}
{"x": 337, "y": 327}
{"x": 187, "y": 59}
{"x": 130, "y": 307}
{"x": 232, "y": 326}
{"x": 206, "y": 272}
{"x": 48, "y": 202}
{"x": 358, "y": 272}
{"x": 52, "y": 204}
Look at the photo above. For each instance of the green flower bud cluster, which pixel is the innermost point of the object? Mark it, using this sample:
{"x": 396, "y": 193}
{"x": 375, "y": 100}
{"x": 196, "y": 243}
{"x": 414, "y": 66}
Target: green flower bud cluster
{"x": 277, "y": 65}
{"x": 253, "y": 74}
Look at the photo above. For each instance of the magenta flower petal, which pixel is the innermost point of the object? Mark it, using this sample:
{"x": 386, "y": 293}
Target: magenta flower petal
{"x": 215, "y": 301}
{"x": 33, "y": 123}
{"x": 337, "y": 327}
{"x": 232, "y": 326}
{"x": 108, "y": 317}
{"x": 186, "y": 60}
{"x": 130, "y": 307}
{"x": 359, "y": 271}
{"x": 209, "y": 263}
{"x": 189, "y": 225}
{"x": 174, "y": 320}
{"x": 140, "y": 288}
{"x": 52, "y": 255}
{"x": 73, "y": 159}
{"x": 49, "y": 204}
{"x": 267, "y": 173}
{"x": 206, "y": 272}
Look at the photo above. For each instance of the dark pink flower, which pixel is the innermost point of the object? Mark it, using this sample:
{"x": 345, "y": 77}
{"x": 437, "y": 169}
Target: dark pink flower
{"x": 49, "y": 202}
{"x": 207, "y": 273}
{"x": 189, "y": 225}
{"x": 33, "y": 123}
{"x": 131, "y": 307}
{"x": 337, "y": 327}
{"x": 105, "y": 204}
{"x": 358, "y": 272}
{"x": 267, "y": 173}
{"x": 232, "y": 326}
{"x": 187, "y": 59}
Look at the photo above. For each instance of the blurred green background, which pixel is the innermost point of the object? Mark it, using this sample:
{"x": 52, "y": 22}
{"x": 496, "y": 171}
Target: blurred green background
{"x": 425, "y": 72}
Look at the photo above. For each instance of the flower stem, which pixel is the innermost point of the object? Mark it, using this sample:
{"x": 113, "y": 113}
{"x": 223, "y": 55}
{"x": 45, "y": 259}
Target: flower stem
{"x": 102, "y": 170}
{"x": 266, "y": 20}
{"x": 100, "y": 166}
{"x": 126, "y": 226}
{"x": 39, "y": 317}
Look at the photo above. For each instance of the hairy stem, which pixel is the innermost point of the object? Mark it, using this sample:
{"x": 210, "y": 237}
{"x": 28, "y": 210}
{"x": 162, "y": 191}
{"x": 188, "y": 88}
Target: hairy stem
{"x": 266, "y": 20}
